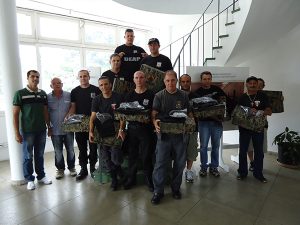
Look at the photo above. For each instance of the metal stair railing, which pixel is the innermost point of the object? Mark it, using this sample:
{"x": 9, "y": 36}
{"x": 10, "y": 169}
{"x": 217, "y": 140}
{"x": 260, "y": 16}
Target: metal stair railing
{"x": 182, "y": 55}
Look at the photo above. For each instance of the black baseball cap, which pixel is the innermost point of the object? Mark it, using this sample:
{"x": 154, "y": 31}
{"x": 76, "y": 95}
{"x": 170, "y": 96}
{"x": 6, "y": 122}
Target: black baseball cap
{"x": 153, "y": 40}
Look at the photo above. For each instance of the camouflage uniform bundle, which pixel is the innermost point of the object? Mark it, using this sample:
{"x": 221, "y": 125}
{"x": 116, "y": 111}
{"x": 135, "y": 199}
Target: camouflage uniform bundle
{"x": 241, "y": 117}
{"x": 209, "y": 112}
{"x": 178, "y": 128}
{"x": 154, "y": 78}
{"x": 122, "y": 86}
{"x": 83, "y": 126}
{"x": 276, "y": 100}
{"x": 141, "y": 116}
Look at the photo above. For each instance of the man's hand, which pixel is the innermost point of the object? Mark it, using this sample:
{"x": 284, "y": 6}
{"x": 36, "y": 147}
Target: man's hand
{"x": 91, "y": 137}
{"x": 121, "y": 134}
{"x": 121, "y": 54}
{"x": 144, "y": 54}
{"x": 156, "y": 124}
{"x": 19, "y": 138}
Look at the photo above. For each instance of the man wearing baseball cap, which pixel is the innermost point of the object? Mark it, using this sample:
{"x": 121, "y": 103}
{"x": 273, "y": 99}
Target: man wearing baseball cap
{"x": 155, "y": 59}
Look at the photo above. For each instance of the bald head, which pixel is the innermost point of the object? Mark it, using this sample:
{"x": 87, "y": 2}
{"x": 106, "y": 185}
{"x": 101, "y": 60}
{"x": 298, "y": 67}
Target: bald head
{"x": 185, "y": 82}
{"x": 139, "y": 79}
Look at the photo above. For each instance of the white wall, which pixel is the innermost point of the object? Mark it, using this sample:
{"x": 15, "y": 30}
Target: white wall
{"x": 280, "y": 68}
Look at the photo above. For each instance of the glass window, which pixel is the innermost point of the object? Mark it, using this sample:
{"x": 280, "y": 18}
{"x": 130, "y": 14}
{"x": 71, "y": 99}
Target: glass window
{"x": 28, "y": 60}
{"x": 100, "y": 34}
{"x": 24, "y": 24}
{"x": 62, "y": 63}
{"x": 59, "y": 28}
{"x": 98, "y": 59}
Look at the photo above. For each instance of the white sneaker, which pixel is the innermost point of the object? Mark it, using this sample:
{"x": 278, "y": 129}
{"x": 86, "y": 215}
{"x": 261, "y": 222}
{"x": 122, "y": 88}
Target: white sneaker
{"x": 189, "y": 176}
{"x": 73, "y": 172}
{"x": 45, "y": 180}
{"x": 59, "y": 174}
{"x": 30, "y": 185}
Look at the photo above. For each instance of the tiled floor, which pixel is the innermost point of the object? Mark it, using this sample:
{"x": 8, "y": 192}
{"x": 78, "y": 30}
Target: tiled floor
{"x": 208, "y": 201}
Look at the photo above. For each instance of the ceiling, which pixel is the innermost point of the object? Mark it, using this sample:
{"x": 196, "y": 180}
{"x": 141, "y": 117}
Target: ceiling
{"x": 174, "y": 6}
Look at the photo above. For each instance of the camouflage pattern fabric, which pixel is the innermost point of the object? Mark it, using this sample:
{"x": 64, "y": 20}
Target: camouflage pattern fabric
{"x": 208, "y": 112}
{"x": 143, "y": 117}
{"x": 241, "y": 118}
{"x": 154, "y": 78}
{"x": 276, "y": 100}
{"x": 122, "y": 86}
{"x": 178, "y": 128}
{"x": 84, "y": 127}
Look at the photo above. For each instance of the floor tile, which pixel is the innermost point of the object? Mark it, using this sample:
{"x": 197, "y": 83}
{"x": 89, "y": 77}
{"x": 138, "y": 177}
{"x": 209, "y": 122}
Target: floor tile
{"x": 45, "y": 219}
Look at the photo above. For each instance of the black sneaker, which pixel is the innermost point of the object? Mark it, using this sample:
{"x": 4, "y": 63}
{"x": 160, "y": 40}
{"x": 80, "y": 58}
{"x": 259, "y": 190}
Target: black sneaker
{"x": 261, "y": 179}
{"x": 214, "y": 172}
{"x": 156, "y": 198}
{"x": 240, "y": 177}
{"x": 251, "y": 167}
{"x": 176, "y": 195}
{"x": 202, "y": 173}
{"x": 82, "y": 174}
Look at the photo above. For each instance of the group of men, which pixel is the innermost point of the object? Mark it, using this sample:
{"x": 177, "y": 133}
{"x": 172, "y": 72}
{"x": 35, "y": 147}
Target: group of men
{"x": 39, "y": 111}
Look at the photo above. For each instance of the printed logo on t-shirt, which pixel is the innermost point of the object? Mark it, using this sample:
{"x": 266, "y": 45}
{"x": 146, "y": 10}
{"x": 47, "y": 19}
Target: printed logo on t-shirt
{"x": 158, "y": 64}
{"x": 146, "y": 102}
{"x": 93, "y": 95}
{"x": 257, "y": 103}
{"x": 178, "y": 105}
{"x": 135, "y": 51}
{"x": 121, "y": 78}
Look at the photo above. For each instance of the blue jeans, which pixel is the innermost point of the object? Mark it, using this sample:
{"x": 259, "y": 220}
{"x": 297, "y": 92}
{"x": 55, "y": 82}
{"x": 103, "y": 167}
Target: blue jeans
{"x": 167, "y": 145}
{"x": 58, "y": 141}
{"x": 33, "y": 149}
{"x": 257, "y": 140}
{"x": 210, "y": 130}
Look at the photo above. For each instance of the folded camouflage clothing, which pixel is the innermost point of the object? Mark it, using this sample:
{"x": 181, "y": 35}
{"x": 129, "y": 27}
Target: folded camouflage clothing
{"x": 132, "y": 111}
{"x": 243, "y": 117}
{"x": 76, "y": 123}
{"x": 203, "y": 102}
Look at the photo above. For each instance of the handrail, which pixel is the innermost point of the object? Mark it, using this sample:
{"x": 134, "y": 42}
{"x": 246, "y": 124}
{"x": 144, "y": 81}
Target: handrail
{"x": 187, "y": 37}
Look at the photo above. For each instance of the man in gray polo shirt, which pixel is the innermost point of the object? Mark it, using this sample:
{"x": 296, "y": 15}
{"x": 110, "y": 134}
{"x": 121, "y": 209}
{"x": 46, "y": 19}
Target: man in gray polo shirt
{"x": 59, "y": 103}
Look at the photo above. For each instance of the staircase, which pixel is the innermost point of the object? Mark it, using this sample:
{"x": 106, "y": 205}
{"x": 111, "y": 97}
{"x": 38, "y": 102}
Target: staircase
{"x": 212, "y": 39}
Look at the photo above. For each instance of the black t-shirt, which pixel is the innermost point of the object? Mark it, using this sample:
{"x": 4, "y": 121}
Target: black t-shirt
{"x": 145, "y": 99}
{"x": 111, "y": 75}
{"x": 130, "y": 62}
{"x": 164, "y": 102}
{"x": 258, "y": 101}
{"x": 160, "y": 62}
{"x": 214, "y": 92}
{"x": 106, "y": 105}
{"x": 83, "y": 97}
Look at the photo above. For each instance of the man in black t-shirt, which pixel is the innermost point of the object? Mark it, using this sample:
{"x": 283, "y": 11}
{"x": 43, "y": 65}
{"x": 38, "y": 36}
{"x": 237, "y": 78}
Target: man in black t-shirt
{"x": 169, "y": 144}
{"x": 103, "y": 104}
{"x": 155, "y": 59}
{"x": 258, "y": 102}
{"x": 130, "y": 54}
{"x": 81, "y": 103}
{"x": 209, "y": 128}
{"x": 140, "y": 135}
{"x": 115, "y": 71}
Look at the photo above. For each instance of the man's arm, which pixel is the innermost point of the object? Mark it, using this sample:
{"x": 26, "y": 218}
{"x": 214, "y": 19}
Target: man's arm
{"x": 92, "y": 127}
{"x": 268, "y": 111}
{"x": 72, "y": 109}
{"x": 16, "y": 113}
{"x": 155, "y": 121}
{"x": 47, "y": 120}
{"x": 121, "y": 133}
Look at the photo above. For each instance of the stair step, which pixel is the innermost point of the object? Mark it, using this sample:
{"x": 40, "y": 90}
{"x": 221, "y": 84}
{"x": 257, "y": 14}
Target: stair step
{"x": 206, "y": 59}
{"x": 228, "y": 24}
{"x": 217, "y": 47}
{"x": 236, "y": 10}
{"x": 224, "y": 36}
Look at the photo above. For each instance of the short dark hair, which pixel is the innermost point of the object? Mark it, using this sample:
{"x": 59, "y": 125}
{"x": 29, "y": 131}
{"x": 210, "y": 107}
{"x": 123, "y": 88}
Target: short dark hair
{"x": 104, "y": 78}
{"x": 206, "y": 73}
{"x": 262, "y": 80}
{"x": 251, "y": 78}
{"x": 114, "y": 55}
{"x": 129, "y": 30}
{"x": 88, "y": 73}
{"x": 31, "y": 71}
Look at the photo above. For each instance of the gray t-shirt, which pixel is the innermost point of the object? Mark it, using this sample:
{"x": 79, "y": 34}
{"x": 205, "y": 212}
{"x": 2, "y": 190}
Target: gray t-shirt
{"x": 164, "y": 102}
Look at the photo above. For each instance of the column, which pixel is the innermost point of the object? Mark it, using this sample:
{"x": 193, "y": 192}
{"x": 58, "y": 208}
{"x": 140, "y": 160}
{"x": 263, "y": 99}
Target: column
{"x": 10, "y": 70}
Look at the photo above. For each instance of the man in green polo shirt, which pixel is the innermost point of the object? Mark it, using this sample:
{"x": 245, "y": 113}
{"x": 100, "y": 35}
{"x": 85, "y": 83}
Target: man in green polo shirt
{"x": 30, "y": 117}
